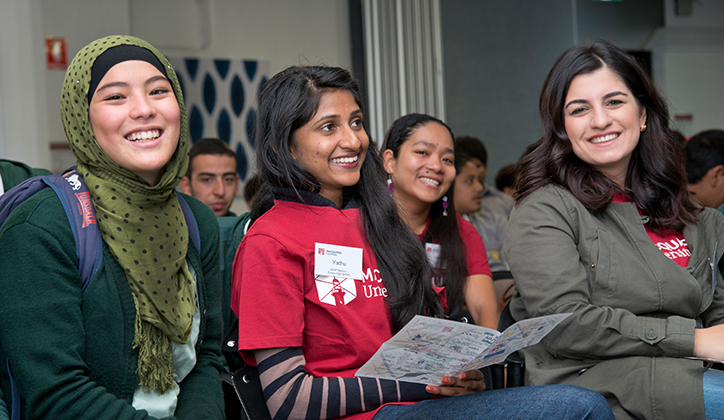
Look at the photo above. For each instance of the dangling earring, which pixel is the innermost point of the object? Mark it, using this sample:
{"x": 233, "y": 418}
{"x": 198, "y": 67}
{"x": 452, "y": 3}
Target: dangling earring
{"x": 389, "y": 183}
{"x": 444, "y": 205}
{"x": 643, "y": 127}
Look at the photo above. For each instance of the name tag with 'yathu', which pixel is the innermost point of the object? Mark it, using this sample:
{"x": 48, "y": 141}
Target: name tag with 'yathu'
{"x": 337, "y": 261}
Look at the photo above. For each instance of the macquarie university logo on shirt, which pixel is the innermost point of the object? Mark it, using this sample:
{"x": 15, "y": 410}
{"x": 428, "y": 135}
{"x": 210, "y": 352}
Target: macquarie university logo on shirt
{"x": 335, "y": 291}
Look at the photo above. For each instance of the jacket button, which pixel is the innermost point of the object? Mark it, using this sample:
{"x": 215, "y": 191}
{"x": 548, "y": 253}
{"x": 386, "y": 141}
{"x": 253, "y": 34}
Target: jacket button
{"x": 651, "y": 335}
{"x": 593, "y": 265}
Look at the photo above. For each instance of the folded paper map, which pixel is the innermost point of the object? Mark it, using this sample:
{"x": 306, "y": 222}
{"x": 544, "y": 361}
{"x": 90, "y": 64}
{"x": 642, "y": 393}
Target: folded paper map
{"x": 427, "y": 349}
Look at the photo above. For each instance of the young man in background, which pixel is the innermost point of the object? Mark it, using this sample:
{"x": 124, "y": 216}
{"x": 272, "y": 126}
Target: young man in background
{"x": 212, "y": 176}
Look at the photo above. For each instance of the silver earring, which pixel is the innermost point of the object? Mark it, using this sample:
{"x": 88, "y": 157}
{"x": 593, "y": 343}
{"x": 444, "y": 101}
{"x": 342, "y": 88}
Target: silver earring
{"x": 389, "y": 183}
{"x": 444, "y": 205}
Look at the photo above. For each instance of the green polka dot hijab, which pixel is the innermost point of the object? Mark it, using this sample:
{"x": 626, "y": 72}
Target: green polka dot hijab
{"x": 143, "y": 225}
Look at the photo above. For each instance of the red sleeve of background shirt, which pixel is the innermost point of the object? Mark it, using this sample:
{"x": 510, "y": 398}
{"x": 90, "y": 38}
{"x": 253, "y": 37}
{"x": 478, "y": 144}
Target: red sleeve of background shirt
{"x": 476, "y": 255}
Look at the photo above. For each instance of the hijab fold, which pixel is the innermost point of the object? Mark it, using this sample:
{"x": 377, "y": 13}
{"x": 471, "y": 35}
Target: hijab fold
{"x": 143, "y": 225}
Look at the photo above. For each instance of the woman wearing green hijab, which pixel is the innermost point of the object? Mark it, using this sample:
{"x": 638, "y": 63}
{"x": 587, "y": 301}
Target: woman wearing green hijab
{"x": 143, "y": 340}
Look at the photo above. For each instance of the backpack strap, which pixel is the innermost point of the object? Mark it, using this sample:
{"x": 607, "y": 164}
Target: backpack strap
{"x": 76, "y": 201}
{"x": 16, "y": 195}
{"x": 190, "y": 222}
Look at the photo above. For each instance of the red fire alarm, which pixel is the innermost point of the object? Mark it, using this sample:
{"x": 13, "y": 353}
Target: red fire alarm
{"x": 56, "y": 53}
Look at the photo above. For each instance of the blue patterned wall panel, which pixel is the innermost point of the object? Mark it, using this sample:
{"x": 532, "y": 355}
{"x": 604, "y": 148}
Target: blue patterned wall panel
{"x": 222, "y": 66}
{"x": 237, "y": 96}
{"x": 209, "y": 93}
{"x": 220, "y": 97}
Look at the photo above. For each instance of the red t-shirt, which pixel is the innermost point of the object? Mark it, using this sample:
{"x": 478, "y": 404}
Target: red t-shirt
{"x": 339, "y": 323}
{"x": 671, "y": 243}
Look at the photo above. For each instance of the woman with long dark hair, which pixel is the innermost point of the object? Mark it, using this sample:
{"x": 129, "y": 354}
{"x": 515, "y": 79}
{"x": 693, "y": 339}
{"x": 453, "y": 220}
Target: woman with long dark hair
{"x": 604, "y": 228}
{"x": 419, "y": 157}
{"x": 330, "y": 272}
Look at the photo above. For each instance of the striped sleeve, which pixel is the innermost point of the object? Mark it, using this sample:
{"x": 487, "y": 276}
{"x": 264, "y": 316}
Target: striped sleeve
{"x": 291, "y": 393}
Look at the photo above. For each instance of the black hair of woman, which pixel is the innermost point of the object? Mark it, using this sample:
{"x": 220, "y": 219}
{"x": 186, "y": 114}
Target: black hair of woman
{"x": 443, "y": 229}
{"x": 655, "y": 178}
{"x": 287, "y": 102}
{"x": 263, "y": 200}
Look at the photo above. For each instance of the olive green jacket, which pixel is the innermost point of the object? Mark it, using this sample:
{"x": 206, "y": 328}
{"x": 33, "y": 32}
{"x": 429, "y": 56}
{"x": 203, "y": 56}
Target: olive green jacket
{"x": 634, "y": 310}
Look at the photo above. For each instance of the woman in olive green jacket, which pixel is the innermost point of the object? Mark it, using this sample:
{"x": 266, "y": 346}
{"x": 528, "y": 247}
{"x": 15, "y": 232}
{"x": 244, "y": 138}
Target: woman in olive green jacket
{"x": 604, "y": 229}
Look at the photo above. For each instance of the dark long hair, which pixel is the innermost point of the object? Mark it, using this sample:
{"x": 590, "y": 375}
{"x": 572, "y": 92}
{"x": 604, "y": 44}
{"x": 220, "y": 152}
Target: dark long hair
{"x": 442, "y": 229}
{"x": 655, "y": 180}
{"x": 287, "y": 102}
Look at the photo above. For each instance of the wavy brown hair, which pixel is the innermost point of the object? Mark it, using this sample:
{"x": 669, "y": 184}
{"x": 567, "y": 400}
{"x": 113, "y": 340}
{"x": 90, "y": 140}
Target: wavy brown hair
{"x": 655, "y": 180}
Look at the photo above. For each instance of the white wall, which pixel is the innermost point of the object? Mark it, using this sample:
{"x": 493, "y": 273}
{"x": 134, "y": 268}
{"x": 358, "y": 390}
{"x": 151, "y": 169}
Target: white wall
{"x": 285, "y": 32}
{"x": 22, "y": 135}
{"x": 80, "y": 21}
{"x": 689, "y": 66}
{"x": 704, "y": 14}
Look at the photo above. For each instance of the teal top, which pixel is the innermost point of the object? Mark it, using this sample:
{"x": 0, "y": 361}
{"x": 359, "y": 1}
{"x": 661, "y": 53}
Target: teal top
{"x": 3, "y": 409}
{"x": 70, "y": 351}
{"x": 231, "y": 232}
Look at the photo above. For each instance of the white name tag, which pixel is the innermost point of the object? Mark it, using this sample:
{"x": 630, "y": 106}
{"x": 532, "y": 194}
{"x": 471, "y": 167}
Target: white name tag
{"x": 433, "y": 254}
{"x": 337, "y": 261}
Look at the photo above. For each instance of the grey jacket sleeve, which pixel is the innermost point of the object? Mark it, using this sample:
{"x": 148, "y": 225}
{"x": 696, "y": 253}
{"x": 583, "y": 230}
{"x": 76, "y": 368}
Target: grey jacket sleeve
{"x": 714, "y": 314}
{"x": 552, "y": 246}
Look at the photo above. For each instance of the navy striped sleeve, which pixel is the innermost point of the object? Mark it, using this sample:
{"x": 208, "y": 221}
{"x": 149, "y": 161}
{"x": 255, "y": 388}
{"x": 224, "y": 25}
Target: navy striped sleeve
{"x": 291, "y": 392}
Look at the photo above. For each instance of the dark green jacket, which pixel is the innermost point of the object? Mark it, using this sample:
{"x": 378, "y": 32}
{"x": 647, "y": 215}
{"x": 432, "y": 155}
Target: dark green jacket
{"x": 71, "y": 352}
{"x": 231, "y": 232}
{"x": 13, "y": 173}
{"x": 634, "y": 310}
